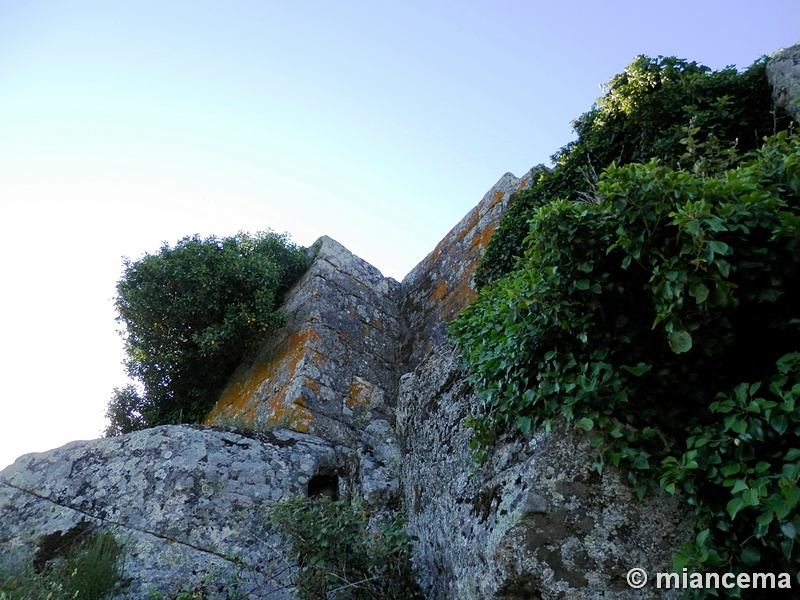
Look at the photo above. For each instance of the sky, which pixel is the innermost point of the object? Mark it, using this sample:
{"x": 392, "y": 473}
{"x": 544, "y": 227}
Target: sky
{"x": 127, "y": 124}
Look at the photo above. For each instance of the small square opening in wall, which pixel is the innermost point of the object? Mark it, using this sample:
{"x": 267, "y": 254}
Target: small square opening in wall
{"x": 326, "y": 486}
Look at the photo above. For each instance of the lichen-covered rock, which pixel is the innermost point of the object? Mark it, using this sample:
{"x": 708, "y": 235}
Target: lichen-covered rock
{"x": 535, "y": 520}
{"x": 783, "y": 71}
{"x": 331, "y": 369}
{"x": 379, "y": 466}
{"x": 188, "y": 504}
{"x": 442, "y": 283}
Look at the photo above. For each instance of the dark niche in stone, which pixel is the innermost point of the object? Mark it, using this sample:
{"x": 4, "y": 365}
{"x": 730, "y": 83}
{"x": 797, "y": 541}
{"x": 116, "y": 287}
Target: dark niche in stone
{"x": 326, "y": 486}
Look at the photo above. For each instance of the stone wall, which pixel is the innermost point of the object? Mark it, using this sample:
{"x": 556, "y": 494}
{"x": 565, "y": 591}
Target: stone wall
{"x": 442, "y": 283}
{"x": 535, "y": 520}
{"x": 331, "y": 369}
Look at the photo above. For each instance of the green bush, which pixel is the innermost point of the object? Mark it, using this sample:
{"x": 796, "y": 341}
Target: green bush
{"x": 644, "y": 114}
{"x": 659, "y": 318}
{"x": 191, "y": 313}
{"x": 338, "y": 557}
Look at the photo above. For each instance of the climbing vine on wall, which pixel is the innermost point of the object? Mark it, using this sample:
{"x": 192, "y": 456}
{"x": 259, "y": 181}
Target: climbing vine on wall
{"x": 644, "y": 114}
{"x": 658, "y": 310}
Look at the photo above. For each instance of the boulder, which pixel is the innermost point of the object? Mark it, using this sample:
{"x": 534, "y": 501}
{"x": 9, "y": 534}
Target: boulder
{"x": 187, "y": 503}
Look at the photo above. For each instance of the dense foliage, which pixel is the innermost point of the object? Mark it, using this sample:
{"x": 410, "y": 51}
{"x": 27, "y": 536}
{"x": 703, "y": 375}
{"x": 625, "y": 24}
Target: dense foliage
{"x": 656, "y": 306}
{"x": 645, "y": 113}
{"x": 338, "y": 557}
{"x": 191, "y": 313}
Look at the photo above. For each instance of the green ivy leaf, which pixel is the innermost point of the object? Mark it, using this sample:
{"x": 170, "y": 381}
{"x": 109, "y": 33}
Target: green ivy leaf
{"x": 779, "y": 423}
{"x": 523, "y": 424}
{"x": 699, "y": 292}
{"x": 718, "y": 247}
{"x": 680, "y": 341}
{"x": 638, "y": 370}
{"x": 734, "y": 506}
{"x": 788, "y": 530}
{"x": 750, "y": 556}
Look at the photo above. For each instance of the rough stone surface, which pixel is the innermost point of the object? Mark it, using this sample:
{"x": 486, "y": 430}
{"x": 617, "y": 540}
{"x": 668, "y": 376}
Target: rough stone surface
{"x": 188, "y": 503}
{"x": 331, "y": 369}
{"x": 783, "y": 71}
{"x": 534, "y": 521}
{"x": 442, "y": 283}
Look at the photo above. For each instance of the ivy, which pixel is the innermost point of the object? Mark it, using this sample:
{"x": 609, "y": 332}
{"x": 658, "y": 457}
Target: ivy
{"x": 661, "y": 319}
{"x": 677, "y": 111}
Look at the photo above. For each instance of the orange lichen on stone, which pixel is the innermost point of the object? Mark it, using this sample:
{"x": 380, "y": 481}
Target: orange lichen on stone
{"x": 296, "y": 346}
{"x": 479, "y": 243}
{"x": 312, "y": 385}
{"x": 458, "y": 298}
{"x": 453, "y": 298}
{"x": 290, "y": 415}
{"x": 441, "y": 291}
{"x": 523, "y": 184}
{"x": 240, "y": 392}
{"x": 360, "y": 393}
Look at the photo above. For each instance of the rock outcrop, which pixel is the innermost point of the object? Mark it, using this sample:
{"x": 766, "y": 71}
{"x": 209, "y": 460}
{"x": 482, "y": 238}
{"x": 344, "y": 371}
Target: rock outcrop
{"x": 188, "y": 503}
{"x": 360, "y": 393}
{"x": 783, "y": 70}
{"x": 535, "y": 520}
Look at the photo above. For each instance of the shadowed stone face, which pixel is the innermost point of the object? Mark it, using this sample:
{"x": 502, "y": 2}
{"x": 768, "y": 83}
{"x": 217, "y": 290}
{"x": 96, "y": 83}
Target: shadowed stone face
{"x": 783, "y": 71}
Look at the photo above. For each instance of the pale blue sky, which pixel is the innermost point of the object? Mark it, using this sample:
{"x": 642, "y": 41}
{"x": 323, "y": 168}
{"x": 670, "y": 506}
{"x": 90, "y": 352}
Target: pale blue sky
{"x": 381, "y": 124}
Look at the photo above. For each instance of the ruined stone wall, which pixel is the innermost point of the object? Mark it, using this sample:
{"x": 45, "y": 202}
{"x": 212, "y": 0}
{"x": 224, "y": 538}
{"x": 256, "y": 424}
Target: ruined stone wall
{"x": 351, "y": 333}
{"x": 442, "y": 283}
{"x": 364, "y": 375}
{"x": 331, "y": 369}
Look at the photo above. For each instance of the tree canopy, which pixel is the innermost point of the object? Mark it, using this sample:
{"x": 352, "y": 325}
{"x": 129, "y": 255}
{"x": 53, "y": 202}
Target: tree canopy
{"x": 191, "y": 314}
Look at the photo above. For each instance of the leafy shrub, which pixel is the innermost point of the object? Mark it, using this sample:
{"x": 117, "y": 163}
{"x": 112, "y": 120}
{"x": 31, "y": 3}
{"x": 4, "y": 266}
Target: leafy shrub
{"x": 645, "y": 113}
{"x": 658, "y": 318}
{"x": 191, "y": 313}
{"x": 90, "y": 570}
{"x": 338, "y": 557}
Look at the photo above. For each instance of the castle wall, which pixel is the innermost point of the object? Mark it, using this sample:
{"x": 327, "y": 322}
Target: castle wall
{"x": 442, "y": 283}
{"x": 331, "y": 369}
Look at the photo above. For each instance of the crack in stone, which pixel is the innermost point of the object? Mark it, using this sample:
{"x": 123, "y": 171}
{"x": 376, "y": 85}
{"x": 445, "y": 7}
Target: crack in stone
{"x": 116, "y": 523}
